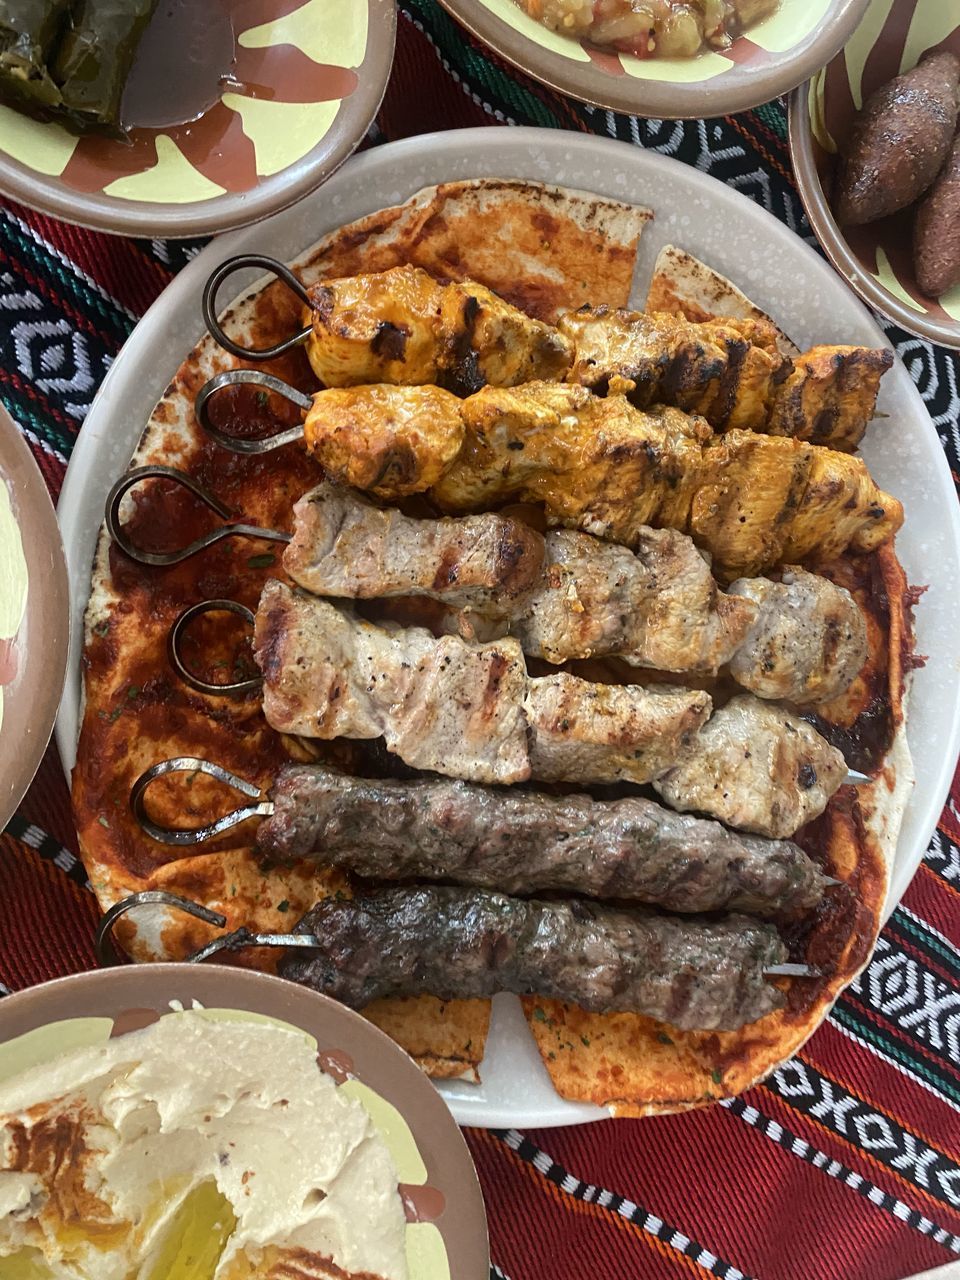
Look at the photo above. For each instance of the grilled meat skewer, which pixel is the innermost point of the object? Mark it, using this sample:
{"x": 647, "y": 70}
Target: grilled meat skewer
{"x": 521, "y": 842}
{"x": 471, "y": 711}
{"x": 802, "y": 639}
{"x": 466, "y": 711}
{"x": 751, "y": 501}
{"x": 401, "y": 326}
{"x": 568, "y": 595}
{"x": 343, "y": 545}
{"x": 731, "y": 372}
{"x": 458, "y": 943}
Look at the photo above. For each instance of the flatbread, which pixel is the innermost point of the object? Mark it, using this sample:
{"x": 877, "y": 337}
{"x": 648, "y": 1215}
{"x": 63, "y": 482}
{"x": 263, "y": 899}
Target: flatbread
{"x": 682, "y": 285}
{"x": 544, "y": 249}
{"x": 541, "y": 247}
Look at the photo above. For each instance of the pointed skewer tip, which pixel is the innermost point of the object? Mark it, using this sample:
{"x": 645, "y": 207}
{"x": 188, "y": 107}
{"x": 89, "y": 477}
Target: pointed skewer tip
{"x": 791, "y": 971}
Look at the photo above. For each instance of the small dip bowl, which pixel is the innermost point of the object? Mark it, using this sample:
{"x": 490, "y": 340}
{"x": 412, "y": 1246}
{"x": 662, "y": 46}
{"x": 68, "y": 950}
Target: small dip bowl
{"x": 876, "y": 260}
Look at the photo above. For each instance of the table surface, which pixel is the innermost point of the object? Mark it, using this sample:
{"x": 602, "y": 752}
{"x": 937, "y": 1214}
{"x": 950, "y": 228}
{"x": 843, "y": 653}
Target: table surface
{"x": 846, "y": 1163}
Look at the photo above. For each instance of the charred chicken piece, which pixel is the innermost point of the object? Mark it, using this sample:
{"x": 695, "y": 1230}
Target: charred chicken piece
{"x": 656, "y": 606}
{"x": 809, "y": 640}
{"x": 599, "y": 733}
{"x": 751, "y": 501}
{"x": 757, "y": 768}
{"x": 401, "y": 326}
{"x": 521, "y": 842}
{"x": 731, "y": 372}
{"x": 390, "y": 441}
{"x": 438, "y": 704}
{"x": 343, "y": 545}
{"x": 464, "y": 943}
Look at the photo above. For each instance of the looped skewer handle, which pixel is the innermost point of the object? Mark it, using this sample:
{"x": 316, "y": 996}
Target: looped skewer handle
{"x": 210, "y": 309}
{"x": 197, "y": 835}
{"x": 254, "y": 378}
{"x": 243, "y": 937}
{"x": 232, "y": 529}
{"x": 177, "y": 661}
{"x": 104, "y": 942}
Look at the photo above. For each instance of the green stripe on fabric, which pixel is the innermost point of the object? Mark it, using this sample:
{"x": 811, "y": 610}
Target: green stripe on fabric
{"x": 48, "y": 264}
{"x": 774, "y": 117}
{"x": 893, "y": 1049}
{"x": 905, "y": 925}
{"x": 24, "y": 411}
{"x": 506, "y": 94}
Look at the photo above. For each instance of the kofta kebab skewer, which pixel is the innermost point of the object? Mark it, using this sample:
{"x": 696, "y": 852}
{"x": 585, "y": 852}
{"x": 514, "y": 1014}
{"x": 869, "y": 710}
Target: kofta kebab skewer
{"x": 690, "y": 973}
{"x": 751, "y": 501}
{"x": 517, "y": 841}
{"x": 401, "y": 326}
{"x": 565, "y": 595}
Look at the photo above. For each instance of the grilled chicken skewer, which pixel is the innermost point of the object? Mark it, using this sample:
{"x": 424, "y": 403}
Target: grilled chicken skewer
{"x": 401, "y": 326}
{"x": 458, "y": 943}
{"x": 521, "y": 842}
{"x": 751, "y": 501}
{"x": 567, "y": 595}
{"x": 731, "y": 372}
{"x": 472, "y": 712}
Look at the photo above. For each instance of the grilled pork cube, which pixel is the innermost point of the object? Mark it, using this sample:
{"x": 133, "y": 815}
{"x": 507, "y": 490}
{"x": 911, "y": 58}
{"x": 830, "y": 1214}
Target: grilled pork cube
{"x": 438, "y": 704}
{"x": 343, "y": 545}
{"x": 809, "y": 640}
{"x": 595, "y": 733}
{"x": 657, "y": 606}
{"x": 755, "y": 767}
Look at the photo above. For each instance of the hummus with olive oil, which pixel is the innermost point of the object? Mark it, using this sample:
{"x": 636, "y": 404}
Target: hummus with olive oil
{"x": 195, "y": 1149}
{"x": 13, "y": 589}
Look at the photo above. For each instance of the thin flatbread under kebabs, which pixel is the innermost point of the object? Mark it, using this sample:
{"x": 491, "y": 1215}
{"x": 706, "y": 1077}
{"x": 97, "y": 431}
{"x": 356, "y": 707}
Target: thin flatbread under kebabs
{"x": 137, "y": 713}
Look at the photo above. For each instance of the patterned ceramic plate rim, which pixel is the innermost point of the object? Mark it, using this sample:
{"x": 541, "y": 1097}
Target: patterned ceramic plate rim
{"x": 233, "y": 209}
{"x": 30, "y": 704}
{"x": 737, "y": 89}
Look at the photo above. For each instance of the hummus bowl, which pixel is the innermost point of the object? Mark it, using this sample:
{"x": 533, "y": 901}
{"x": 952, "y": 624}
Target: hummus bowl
{"x": 223, "y": 1114}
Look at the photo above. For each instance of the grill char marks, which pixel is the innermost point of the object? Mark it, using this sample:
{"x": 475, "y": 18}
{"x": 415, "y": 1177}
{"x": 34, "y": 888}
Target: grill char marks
{"x": 657, "y": 606}
{"x": 731, "y": 372}
{"x": 758, "y": 768}
{"x": 521, "y": 842}
{"x": 439, "y": 704}
{"x": 456, "y": 943}
{"x": 345, "y": 546}
{"x": 809, "y": 640}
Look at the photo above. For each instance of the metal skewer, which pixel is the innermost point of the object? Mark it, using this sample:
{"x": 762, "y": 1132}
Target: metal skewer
{"x": 243, "y": 262}
{"x": 232, "y": 529}
{"x": 239, "y": 939}
{"x": 254, "y": 378}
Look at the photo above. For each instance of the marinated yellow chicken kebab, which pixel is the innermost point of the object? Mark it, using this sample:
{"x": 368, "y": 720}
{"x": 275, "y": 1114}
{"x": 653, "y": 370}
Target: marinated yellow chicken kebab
{"x": 401, "y": 326}
{"x": 599, "y": 464}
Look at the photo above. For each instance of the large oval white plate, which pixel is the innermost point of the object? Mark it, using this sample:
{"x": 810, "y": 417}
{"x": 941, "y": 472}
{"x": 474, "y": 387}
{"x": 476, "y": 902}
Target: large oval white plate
{"x": 771, "y": 263}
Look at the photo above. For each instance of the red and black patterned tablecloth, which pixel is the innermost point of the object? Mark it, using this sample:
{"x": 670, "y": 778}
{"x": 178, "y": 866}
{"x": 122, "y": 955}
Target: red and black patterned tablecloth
{"x": 846, "y": 1163}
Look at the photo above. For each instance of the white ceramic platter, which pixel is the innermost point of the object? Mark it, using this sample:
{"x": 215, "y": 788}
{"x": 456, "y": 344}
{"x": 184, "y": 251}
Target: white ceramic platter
{"x": 779, "y": 272}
